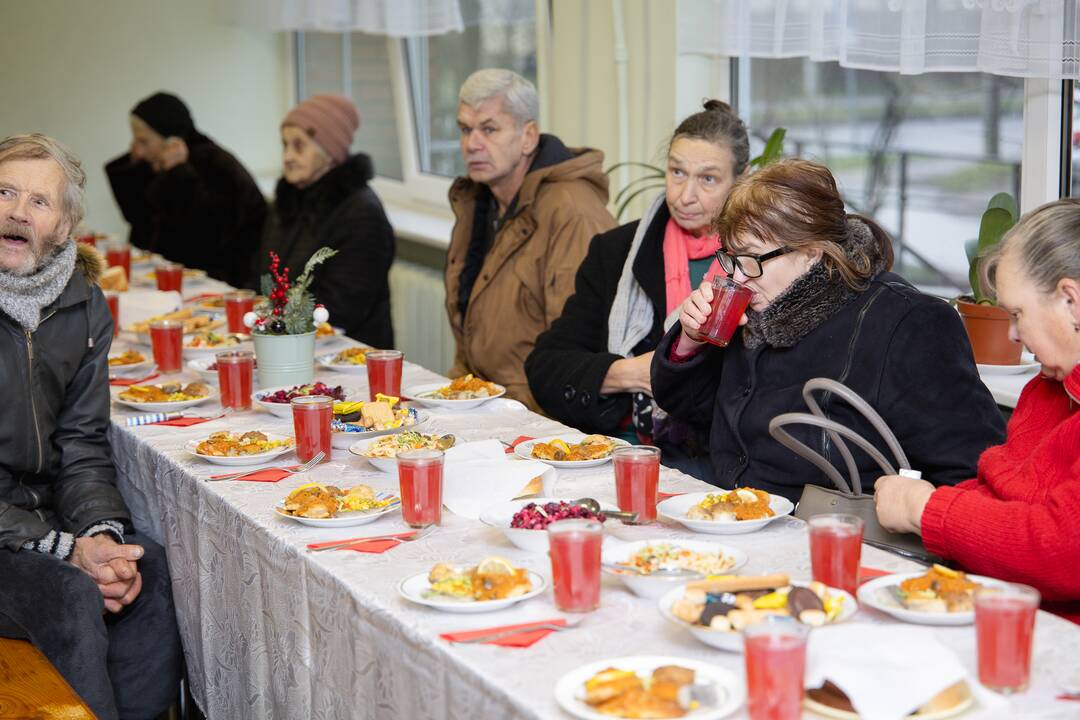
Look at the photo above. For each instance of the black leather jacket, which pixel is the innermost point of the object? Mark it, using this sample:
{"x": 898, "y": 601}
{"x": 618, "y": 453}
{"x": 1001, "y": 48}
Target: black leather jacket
{"x": 56, "y": 469}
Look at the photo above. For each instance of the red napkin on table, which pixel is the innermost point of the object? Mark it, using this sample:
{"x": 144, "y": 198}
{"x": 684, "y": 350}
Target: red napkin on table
{"x": 185, "y": 421}
{"x": 517, "y": 441}
{"x": 869, "y": 573}
{"x": 522, "y": 639}
{"x": 125, "y": 382}
{"x": 202, "y": 296}
{"x": 367, "y": 546}
{"x": 267, "y": 475}
{"x": 661, "y": 496}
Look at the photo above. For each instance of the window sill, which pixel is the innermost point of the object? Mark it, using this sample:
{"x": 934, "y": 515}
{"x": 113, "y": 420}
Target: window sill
{"x": 421, "y": 222}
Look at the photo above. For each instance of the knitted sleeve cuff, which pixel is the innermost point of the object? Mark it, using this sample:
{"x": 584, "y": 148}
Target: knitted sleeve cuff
{"x": 679, "y": 355}
{"x": 113, "y": 527}
{"x": 56, "y": 543}
{"x": 932, "y": 522}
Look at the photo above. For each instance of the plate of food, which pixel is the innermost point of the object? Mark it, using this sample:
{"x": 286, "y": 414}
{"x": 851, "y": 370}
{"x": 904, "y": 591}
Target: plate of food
{"x": 190, "y": 275}
{"x": 382, "y": 451}
{"x": 384, "y": 415}
{"x": 570, "y": 450}
{"x": 938, "y": 596}
{"x": 328, "y": 506}
{"x": 248, "y": 448}
{"x": 732, "y": 512}
{"x": 165, "y": 397}
{"x": 461, "y": 393}
{"x": 208, "y": 343}
{"x": 492, "y": 584}
{"x": 129, "y": 361}
{"x": 276, "y": 400}
{"x": 831, "y": 702}
{"x": 716, "y": 609}
{"x": 650, "y": 686}
{"x": 192, "y": 323}
{"x": 646, "y": 560}
{"x": 325, "y": 332}
{"x": 349, "y": 360}
{"x": 523, "y": 522}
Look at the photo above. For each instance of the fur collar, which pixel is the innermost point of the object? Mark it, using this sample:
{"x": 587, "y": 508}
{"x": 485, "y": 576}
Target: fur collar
{"x": 328, "y": 191}
{"x": 812, "y": 299}
{"x": 89, "y": 262}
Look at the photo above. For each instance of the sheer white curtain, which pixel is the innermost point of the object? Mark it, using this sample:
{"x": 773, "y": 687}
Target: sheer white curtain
{"x": 396, "y": 18}
{"x": 1018, "y": 38}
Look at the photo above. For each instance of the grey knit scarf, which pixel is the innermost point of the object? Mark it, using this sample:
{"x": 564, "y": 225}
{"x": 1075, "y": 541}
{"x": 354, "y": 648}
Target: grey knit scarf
{"x": 631, "y": 316}
{"x": 813, "y": 298}
{"x": 22, "y": 297}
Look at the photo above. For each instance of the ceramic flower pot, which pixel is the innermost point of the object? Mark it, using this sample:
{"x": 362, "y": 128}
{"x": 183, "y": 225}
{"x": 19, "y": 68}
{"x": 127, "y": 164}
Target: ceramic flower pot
{"x": 285, "y": 359}
{"x": 988, "y": 330}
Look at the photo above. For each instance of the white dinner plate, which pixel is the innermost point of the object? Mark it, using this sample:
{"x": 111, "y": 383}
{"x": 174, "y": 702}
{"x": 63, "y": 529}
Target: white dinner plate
{"x": 131, "y": 368}
{"x": 385, "y": 464}
{"x": 648, "y": 586}
{"x": 243, "y": 459}
{"x": 524, "y": 450}
{"x": 343, "y": 440}
{"x": 876, "y": 594}
{"x": 284, "y": 409}
{"x": 210, "y": 352}
{"x": 338, "y": 333}
{"x": 165, "y": 406}
{"x": 499, "y": 516}
{"x": 1027, "y": 364}
{"x": 675, "y": 508}
{"x": 342, "y": 519}
{"x": 730, "y": 688}
{"x": 422, "y": 395}
{"x": 327, "y": 361}
{"x": 413, "y": 587}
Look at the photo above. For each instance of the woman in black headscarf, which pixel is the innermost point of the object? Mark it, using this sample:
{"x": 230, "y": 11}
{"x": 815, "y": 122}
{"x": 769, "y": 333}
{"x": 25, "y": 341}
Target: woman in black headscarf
{"x": 184, "y": 196}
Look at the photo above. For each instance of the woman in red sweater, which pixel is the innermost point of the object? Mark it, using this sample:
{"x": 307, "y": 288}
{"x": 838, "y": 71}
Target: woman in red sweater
{"x": 1019, "y": 518}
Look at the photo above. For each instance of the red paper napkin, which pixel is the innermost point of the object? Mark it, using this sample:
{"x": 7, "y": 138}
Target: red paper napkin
{"x": 522, "y": 639}
{"x": 186, "y": 421}
{"x": 202, "y": 296}
{"x": 661, "y": 496}
{"x": 362, "y": 545}
{"x": 267, "y": 475}
{"x": 125, "y": 382}
{"x": 869, "y": 573}
{"x": 517, "y": 441}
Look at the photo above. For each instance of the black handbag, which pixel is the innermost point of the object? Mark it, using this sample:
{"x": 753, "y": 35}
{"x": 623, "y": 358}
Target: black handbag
{"x": 848, "y": 497}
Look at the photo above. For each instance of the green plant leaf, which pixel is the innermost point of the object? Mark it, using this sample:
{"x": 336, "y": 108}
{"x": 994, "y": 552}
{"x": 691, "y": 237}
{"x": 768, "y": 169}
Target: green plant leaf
{"x": 773, "y": 150}
{"x": 995, "y": 222}
{"x": 626, "y": 203}
{"x": 971, "y": 249}
{"x": 1007, "y": 202}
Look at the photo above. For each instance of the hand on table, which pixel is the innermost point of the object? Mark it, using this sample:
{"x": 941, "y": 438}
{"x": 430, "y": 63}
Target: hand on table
{"x": 112, "y": 566}
{"x": 629, "y": 375}
{"x": 900, "y": 502}
{"x": 693, "y": 313}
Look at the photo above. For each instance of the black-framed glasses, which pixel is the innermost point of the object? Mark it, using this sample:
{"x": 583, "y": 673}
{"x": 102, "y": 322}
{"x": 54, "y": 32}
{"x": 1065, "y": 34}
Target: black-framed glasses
{"x": 751, "y": 265}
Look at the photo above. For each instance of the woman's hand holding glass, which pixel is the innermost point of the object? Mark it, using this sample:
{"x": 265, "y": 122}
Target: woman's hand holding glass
{"x": 694, "y": 313}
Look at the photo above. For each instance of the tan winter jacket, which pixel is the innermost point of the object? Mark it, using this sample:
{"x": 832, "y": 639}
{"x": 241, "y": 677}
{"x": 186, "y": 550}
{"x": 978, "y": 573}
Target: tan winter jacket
{"x": 529, "y": 271}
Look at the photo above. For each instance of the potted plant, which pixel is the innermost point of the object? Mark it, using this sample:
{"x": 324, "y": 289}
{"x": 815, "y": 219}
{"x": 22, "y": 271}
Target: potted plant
{"x": 987, "y": 324}
{"x": 283, "y": 326}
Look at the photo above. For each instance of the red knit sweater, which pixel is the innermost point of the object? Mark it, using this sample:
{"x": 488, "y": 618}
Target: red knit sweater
{"x": 1019, "y": 520}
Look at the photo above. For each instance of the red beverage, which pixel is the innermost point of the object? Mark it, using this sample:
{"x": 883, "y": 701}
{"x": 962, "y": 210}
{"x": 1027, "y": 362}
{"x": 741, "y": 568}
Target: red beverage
{"x": 167, "y": 342}
{"x": 574, "y": 547}
{"x": 114, "y": 307}
{"x": 835, "y": 550}
{"x": 420, "y": 474}
{"x": 238, "y": 304}
{"x": 119, "y": 254}
{"x": 169, "y": 277}
{"x": 1004, "y": 630}
{"x": 775, "y": 665}
{"x": 235, "y": 371}
{"x": 637, "y": 475}
{"x": 90, "y": 239}
{"x": 384, "y": 372}
{"x": 311, "y": 416}
{"x": 730, "y": 300}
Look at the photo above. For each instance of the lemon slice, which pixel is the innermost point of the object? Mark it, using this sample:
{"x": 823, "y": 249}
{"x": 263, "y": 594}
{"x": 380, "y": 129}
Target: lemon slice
{"x": 495, "y": 565}
{"x": 561, "y": 445}
{"x": 947, "y": 572}
{"x": 379, "y": 397}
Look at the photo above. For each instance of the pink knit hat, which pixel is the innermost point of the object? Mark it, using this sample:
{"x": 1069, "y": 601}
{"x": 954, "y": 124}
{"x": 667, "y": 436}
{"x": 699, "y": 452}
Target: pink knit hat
{"x": 330, "y": 120}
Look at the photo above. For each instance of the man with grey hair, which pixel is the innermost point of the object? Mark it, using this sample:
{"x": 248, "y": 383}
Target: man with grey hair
{"x": 525, "y": 215}
{"x": 78, "y": 582}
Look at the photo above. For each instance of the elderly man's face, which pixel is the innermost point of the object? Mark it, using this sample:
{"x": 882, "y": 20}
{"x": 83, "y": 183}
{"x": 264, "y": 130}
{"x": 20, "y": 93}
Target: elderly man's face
{"x": 31, "y": 213}
{"x": 491, "y": 142}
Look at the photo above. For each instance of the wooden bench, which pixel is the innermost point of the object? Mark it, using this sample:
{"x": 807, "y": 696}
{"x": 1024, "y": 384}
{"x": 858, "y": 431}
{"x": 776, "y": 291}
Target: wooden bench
{"x": 32, "y": 689}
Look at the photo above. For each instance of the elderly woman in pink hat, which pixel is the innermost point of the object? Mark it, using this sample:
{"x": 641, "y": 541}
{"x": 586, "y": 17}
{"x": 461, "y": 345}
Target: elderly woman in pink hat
{"x": 323, "y": 199}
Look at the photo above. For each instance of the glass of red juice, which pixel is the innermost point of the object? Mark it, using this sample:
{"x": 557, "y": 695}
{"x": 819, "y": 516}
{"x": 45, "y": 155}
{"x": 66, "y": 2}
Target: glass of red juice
{"x": 384, "y": 372}
{"x": 237, "y": 305}
{"x": 775, "y": 651}
{"x": 835, "y": 550}
{"x": 729, "y": 302}
{"x": 118, "y": 254}
{"x": 420, "y": 474}
{"x": 167, "y": 342}
{"x": 637, "y": 475}
{"x": 311, "y": 416}
{"x": 1004, "y": 633}
{"x": 170, "y": 276}
{"x": 113, "y": 299}
{"x": 88, "y": 239}
{"x": 235, "y": 372}
{"x": 574, "y": 547}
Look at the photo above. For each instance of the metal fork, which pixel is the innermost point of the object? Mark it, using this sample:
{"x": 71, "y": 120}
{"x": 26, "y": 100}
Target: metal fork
{"x": 295, "y": 469}
{"x": 359, "y": 541}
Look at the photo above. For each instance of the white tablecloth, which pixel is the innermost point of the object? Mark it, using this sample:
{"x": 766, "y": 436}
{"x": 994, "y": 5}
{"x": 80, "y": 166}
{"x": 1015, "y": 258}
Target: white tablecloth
{"x": 272, "y": 631}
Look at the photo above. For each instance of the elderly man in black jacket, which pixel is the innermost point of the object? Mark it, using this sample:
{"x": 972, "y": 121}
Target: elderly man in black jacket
{"x": 76, "y": 581}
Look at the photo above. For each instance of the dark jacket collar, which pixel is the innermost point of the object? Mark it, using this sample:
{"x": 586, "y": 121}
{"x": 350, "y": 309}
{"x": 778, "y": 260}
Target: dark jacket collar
{"x": 327, "y": 192}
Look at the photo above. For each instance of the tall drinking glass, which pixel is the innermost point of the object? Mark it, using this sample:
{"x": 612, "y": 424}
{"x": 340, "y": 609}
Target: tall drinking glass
{"x": 574, "y": 547}
{"x": 835, "y": 550}
{"x": 235, "y": 372}
{"x": 384, "y": 372}
{"x": 118, "y": 254}
{"x": 637, "y": 475}
{"x": 169, "y": 276}
{"x": 420, "y": 474}
{"x": 238, "y": 304}
{"x": 729, "y": 302}
{"x": 1004, "y": 633}
{"x": 775, "y": 651}
{"x": 167, "y": 343}
{"x": 311, "y": 424}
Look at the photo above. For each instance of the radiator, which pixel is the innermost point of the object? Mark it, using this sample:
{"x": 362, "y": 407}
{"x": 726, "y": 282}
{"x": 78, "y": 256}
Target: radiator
{"x": 421, "y": 329}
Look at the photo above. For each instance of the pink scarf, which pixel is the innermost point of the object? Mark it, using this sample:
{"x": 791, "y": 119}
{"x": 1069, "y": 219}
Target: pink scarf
{"x": 680, "y": 247}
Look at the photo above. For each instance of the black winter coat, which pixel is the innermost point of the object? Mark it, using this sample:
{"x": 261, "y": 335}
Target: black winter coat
{"x": 341, "y": 211}
{"x": 205, "y": 213}
{"x": 904, "y": 352}
{"x": 56, "y": 469}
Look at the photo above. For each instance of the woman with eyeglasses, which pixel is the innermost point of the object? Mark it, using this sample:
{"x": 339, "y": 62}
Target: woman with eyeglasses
{"x": 590, "y": 369}
{"x": 824, "y": 304}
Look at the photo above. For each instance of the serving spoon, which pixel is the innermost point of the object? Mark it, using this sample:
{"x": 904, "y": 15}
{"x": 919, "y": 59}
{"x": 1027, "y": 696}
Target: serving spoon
{"x": 592, "y": 506}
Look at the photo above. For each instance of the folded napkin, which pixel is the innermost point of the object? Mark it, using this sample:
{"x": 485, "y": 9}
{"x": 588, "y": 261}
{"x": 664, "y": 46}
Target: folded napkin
{"x": 478, "y": 475}
{"x": 267, "y": 475}
{"x": 127, "y": 382}
{"x": 887, "y": 671}
{"x": 517, "y": 441}
{"x": 137, "y": 305}
{"x": 661, "y": 496}
{"x": 869, "y": 573}
{"x": 522, "y": 639}
{"x": 186, "y": 421}
{"x": 366, "y": 546}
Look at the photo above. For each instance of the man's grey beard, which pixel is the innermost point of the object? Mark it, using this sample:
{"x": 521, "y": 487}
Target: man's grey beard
{"x": 41, "y": 253}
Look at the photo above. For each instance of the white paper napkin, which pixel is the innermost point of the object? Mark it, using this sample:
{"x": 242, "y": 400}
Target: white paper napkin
{"x": 138, "y": 305}
{"x": 479, "y": 474}
{"x": 887, "y": 671}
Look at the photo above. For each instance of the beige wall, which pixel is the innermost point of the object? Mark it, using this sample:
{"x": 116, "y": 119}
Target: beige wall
{"x": 75, "y": 69}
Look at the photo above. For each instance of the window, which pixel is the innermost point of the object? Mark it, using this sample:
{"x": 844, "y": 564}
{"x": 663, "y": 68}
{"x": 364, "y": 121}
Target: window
{"x": 920, "y": 154}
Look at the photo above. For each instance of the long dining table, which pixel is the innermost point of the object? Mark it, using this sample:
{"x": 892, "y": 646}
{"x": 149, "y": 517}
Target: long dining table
{"x": 273, "y": 631}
